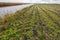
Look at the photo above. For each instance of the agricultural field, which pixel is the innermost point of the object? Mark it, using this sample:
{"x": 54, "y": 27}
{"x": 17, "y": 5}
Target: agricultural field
{"x": 37, "y": 22}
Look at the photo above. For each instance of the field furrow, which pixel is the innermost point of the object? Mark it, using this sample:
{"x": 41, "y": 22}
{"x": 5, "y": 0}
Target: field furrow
{"x": 37, "y": 22}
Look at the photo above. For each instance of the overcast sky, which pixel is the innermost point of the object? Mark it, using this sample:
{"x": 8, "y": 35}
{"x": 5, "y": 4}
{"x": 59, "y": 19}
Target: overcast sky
{"x": 32, "y": 1}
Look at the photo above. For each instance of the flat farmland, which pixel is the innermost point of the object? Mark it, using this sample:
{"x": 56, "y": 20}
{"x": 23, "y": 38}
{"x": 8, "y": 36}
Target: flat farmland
{"x": 37, "y": 22}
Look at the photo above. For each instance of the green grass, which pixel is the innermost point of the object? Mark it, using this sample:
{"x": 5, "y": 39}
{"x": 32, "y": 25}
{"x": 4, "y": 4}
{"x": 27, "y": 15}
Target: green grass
{"x": 37, "y": 22}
